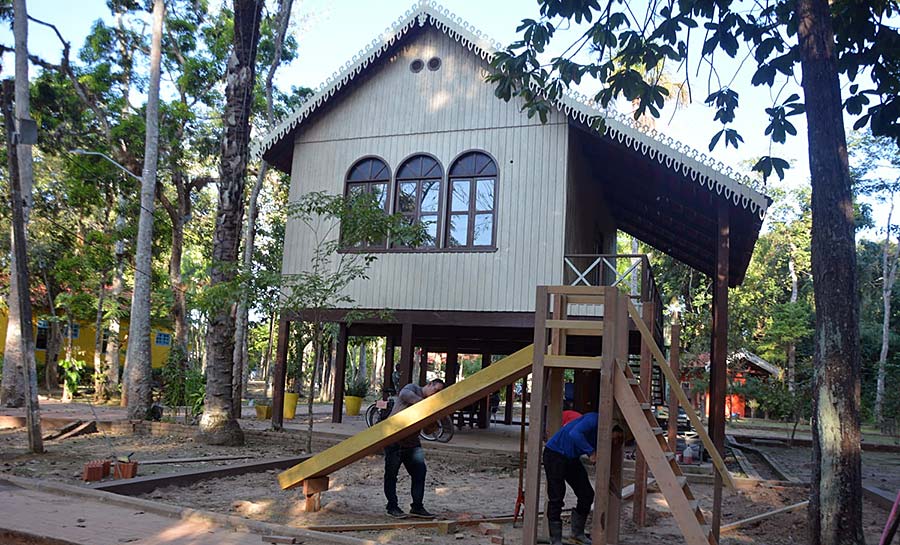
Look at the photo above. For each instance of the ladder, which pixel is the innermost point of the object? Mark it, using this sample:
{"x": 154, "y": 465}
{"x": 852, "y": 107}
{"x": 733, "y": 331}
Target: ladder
{"x": 651, "y": 439}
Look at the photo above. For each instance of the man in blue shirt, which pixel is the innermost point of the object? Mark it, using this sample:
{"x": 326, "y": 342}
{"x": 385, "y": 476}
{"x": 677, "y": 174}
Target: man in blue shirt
{"x": 562, "y": 464}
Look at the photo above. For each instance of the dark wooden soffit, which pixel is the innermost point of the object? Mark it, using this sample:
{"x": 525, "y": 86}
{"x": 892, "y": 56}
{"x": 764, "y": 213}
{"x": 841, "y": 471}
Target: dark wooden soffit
{"x": 664, "y": 209}
{"x": 393, "y": 318}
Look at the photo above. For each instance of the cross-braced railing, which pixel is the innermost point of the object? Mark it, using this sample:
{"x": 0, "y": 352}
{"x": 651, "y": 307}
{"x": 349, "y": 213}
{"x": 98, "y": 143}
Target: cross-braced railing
{"x": 631, "y": 273}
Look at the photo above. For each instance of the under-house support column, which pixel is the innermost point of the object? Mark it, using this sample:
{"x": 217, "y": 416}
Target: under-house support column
{"x": 718, "y": 355}
{"x": 406, "y": 356}
{"x": 389, "y": 348}
{"x": 484, "y": 406}
{"x": 340, "y": 373}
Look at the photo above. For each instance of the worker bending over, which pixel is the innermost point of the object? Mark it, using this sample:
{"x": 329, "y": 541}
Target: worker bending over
{"x": 562, "y": 465}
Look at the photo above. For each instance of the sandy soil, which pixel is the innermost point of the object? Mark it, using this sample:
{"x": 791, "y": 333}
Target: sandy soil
{"x": 880, "y": 469}
{"x": 455, "y": 490}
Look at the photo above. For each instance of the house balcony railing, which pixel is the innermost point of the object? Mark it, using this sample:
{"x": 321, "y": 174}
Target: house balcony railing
{"x": 631, "y": 273}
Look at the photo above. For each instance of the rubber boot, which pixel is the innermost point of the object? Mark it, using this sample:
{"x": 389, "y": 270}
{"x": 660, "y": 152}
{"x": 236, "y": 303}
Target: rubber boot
{"x": 555, "y": 528}
{"x": 578, "y": 536}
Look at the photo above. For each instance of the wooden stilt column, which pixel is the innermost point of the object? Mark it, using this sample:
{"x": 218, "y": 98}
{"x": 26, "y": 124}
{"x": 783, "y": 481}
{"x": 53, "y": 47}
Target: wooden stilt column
{"x": 718, "y": 355}
{"x": 614, "y": 319}
{"x": 451, "y": 370}
{"x": 423, "y": 366}
{"x": 406, "y": 356}
{"x": 281, "y": 351}
{"x": 639, "y": 509}
{"x": 510, "y": 398}
{"x": 536, "y": 422}
{"x": 388, "y": 365}
{"x": 617, "y": 456}
{"x": 340, "y": 372}
{"x": 674, "y": 356}
{"x": 555, "y": 382}
{"x": 484, "y": 407}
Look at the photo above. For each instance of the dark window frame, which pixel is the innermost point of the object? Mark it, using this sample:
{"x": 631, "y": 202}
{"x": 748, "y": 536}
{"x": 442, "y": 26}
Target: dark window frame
{"x": 367, "y": 184}
{"x": 417, "y": 214}
{"x": 472, "y": 177}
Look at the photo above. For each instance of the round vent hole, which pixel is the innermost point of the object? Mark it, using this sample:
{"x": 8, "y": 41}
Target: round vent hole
{"x": 416, "y": 66}
{"x": 434, "y": 63}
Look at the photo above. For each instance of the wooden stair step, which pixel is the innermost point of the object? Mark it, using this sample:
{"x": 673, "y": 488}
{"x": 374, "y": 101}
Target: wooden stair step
{"x": 657, "y": 431}
{"x": 645, "y": 406}
{"x": 634, "y": 382}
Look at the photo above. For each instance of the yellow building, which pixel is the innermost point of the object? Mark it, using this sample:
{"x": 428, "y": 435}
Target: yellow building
{"x": 83, "y": 341}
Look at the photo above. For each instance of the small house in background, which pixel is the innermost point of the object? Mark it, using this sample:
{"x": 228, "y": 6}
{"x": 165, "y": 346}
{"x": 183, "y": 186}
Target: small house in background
{"x": 742, "y": 365}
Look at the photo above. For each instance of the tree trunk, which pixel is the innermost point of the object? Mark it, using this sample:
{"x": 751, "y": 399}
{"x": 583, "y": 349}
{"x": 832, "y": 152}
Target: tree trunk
{"x": 792, "y": 346}
{"x": 24, "y": 335}
{"x": 242, "y": 323}
{"x": 100, "y": 375}
{"x": 14, "y": 383}
{"x": 835, "y": 507}
{"x": 217, "y": 425}
{"x": 113, "y": 343}
{"x": 137, "y": 357}
{"x": 889, "y": 276}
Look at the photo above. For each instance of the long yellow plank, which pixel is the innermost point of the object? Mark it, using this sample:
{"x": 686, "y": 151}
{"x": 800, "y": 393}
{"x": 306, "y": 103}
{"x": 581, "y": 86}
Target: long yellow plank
{"x": 679, "y": 393}
{"x": 411, "y": 420}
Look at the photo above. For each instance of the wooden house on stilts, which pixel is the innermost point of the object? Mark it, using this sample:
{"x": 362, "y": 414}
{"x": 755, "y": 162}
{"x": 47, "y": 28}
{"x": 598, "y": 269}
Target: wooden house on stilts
{"x": 510, "y": 204}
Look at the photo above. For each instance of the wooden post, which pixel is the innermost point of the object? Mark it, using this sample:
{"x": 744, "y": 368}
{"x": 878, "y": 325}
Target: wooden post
{"x": 406, "y": 356}
{"x": 674, "y": 356}
{"x": 612, "y": 320}
{"x": 281, "y": 352}
{"x": 718, "y": 356}
{"x": 451, "y": 371}
{"x": 536, "y": 417}
{"x": 388, "y": 366}
{"x": 555, "y": 382}
{"x": 639, "y": 508}
{"x": 340, "y": 373}
{"x": 423, "y": 366}
{"x": 617, "y": 455}
{"x": 484, "y": 406}
{"x": 510, "y": 398}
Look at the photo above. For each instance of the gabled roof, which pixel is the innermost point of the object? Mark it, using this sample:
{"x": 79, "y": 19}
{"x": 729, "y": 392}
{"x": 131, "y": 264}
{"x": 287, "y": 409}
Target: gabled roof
{"x": 689, "y": 172}
{"x": 701, "y": 168}
{"x": 752, "y": 358}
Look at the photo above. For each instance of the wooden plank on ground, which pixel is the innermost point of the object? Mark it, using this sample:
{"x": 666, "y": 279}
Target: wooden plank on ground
{"x": 762, "y": 516}
{"x": 194, "y": 460}
{"x": 414, "y": 418}
{"x": 63, "y": 430}
{"x": 83, "y": 429}
{"x": 682, "y": 397}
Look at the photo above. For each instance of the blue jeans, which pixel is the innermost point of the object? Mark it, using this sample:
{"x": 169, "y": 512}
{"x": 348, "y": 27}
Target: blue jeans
{"x": 413, "y": 459}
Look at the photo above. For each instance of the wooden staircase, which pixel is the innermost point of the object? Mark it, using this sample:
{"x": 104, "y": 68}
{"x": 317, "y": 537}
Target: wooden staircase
{"x": 624, "y": 400}
{"x": 651, "y": 439}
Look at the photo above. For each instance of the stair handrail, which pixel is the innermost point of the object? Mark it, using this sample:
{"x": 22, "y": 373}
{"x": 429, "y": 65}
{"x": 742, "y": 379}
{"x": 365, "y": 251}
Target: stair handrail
{"x": 647, "y": 337}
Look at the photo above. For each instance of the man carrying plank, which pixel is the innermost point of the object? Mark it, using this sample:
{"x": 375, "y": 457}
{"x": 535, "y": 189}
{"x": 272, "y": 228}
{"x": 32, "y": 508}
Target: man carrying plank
{"x": 562, "y": 464}
{"x": 408, "y": 452}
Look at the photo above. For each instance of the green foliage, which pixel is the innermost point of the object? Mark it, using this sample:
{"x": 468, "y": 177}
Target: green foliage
{"x": 357, "y": 386}
{"x": 72, "y": 370}
{"x": 182, "y": 386}
{"x": 619, "y": 36}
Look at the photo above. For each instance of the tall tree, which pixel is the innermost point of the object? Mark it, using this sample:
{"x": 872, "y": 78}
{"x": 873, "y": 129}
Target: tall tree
{"x": 218, "y": 424}
{"x": 138, "y": 358}
{"x": 864, "y": 45}
{"x": 241, "y": 329}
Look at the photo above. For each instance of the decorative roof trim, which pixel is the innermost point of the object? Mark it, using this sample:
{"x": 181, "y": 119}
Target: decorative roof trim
{"x": 678, "y": 157}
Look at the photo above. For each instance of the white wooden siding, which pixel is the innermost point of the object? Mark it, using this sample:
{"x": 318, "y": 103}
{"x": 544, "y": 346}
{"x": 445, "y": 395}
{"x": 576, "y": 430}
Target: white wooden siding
{"x": 394, "y": 114}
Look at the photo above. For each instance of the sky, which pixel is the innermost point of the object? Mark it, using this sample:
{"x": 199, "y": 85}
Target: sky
{"x": 331, "y": 32}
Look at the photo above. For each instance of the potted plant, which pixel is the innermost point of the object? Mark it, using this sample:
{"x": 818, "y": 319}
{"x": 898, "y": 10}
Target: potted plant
{"x": 354, "y": 393}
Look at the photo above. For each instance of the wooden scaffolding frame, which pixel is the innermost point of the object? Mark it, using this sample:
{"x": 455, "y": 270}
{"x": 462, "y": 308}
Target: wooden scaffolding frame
{"x": 623, "y": 402}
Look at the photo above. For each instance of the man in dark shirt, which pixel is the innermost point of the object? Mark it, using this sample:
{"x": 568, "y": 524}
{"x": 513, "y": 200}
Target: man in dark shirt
{"x": 562, "y": 464}
{"x": 408, "y": 452}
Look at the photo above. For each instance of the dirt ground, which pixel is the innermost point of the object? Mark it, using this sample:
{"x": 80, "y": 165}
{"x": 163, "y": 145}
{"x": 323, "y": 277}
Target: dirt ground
{"x": 455, "y": 490}
{"x": 880, "y": 469}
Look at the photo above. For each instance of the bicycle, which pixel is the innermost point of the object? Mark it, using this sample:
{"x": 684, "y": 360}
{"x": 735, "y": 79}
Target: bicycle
{"x": 441, "y": 432}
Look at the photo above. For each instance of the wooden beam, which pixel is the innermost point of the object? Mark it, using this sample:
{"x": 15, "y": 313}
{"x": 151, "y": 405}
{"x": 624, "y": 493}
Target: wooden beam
{"x": 675, "y": 364}
{"x": 573, "y": 362}
{"x": 639, "y": 509}
{"x": 591, "y": 328}
{"x": 451, "y": 371}
{"x": 278, "y": 381}
{"x": 763, "y": 516}
{"x": 718, "y": 365}
{"x": 423, "y": 366}
{"x": 647, "y": 337}
{"x": 340, "y": 374}
{"x": 533, "y": 470}
{"x": 389, "y": 350}
{"x": 406, "y": 355}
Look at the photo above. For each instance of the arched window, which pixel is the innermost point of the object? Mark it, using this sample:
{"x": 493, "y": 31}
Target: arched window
{"x": 419, "y": 181}
{"x": 370, "y": 175}
{"x": 473, "y": 201}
